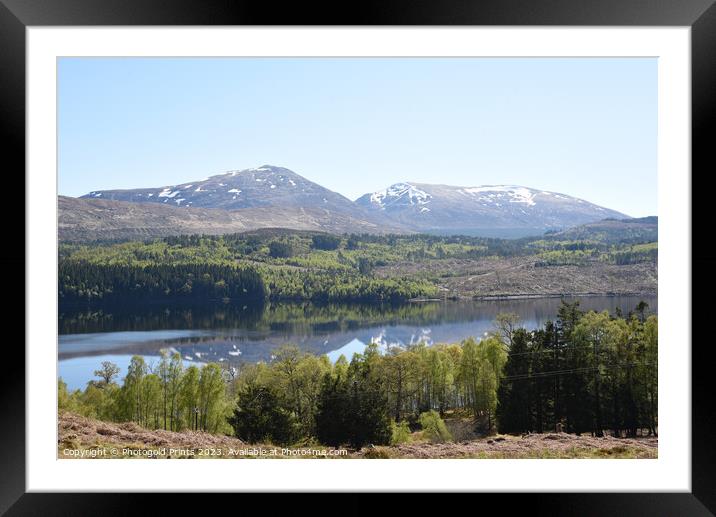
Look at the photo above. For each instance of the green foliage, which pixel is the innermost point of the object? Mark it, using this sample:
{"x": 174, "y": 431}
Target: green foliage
{"x": 213, "y": 407}
{"x": 260, "y": 417}
{"x": 333, "y": 418}
{"x": 63, "y": 396}
{"x": 564, "y": 245}
{"x": 280, "y": 249}
{"x": 170, "y": 376}
{"x": 365, "y": 266}
{"x": 188, "y": 400}
{"x": 480, "y": 370}
{"x": 579, "y": 253}
{"x": 514, "y": 412}
{"x": 566, "y": 257}
{"x": 589, "y": 372}
{"x": 297, "y": 376}
{"x": 96, "y": 401}
{"x": 238, "y": 267}
{"x": 325, "y": 242}
{"x": 612, "y": 232}
{"x": 107, "y": 373}
{"x": 88, "y": 282}
{"x": 171, "y": 398}
{"x": 400, "y": 432}
{"x": 634, "y": 254}
{"x": 353, "y": 408}
{"x": 434, "y": 428}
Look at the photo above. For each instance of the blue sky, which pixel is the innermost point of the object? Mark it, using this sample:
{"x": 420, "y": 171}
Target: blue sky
{"x": 586, "y": 127}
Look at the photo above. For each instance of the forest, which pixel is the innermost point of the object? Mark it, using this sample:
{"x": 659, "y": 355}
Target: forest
{"x": 282, "y": 265}
{"x": 585, "y": 373}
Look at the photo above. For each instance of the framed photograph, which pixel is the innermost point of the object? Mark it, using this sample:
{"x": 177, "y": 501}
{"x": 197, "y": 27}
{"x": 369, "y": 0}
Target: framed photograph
{"x": 441, "y": 249}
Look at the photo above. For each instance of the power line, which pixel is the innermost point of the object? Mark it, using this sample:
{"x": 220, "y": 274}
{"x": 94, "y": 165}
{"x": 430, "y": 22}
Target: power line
{"x": 548, "y": 351}
{"x": 555, "y": 373}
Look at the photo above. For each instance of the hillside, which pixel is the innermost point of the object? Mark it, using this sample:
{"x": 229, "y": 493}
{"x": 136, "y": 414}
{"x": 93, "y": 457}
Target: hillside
{"x": 369, "y": 267}
{"x": 81, "y": 437}
{"x": 600, "y": 258}
{"x": 521, "y": 277}
{"x": 613, "y": 231}
{"x": 87, "y": 219}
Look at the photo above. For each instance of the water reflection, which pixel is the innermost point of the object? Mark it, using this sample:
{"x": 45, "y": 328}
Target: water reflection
{"x": 235, "y": 334}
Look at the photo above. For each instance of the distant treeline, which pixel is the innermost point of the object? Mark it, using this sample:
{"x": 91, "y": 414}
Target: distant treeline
{"x": 83, "y": 282}
{"x": 86, "y": 282}
{"x": 635, "y": 254}
{"x": 585, "y": 373}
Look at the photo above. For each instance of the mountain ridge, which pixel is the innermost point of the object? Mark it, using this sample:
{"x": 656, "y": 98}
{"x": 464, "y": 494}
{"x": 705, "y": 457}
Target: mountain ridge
{"x": 272, "y": 196}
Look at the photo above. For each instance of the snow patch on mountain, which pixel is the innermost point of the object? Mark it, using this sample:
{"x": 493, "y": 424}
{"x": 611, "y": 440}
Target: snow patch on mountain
{"x": 167, "y": 192}
{"x": 404, "y": 192}
{"x": 490, "y": 193}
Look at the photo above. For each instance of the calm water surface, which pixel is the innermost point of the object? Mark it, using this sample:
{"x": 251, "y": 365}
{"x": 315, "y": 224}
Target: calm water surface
{"x": 234, "y": 334}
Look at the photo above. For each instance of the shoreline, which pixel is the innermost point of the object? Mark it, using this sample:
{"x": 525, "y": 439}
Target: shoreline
{"x": 529, "y": 296}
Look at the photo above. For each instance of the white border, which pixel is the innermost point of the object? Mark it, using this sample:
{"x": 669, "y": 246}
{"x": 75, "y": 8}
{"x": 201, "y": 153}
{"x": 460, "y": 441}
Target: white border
{"x": 670, "y": 472}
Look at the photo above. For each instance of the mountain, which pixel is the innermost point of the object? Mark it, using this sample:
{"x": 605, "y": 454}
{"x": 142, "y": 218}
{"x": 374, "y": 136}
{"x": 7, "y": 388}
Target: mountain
{"x": 104, "y": 219}
{"x": 490, "y": 210}
{"x": 265, "y": 186}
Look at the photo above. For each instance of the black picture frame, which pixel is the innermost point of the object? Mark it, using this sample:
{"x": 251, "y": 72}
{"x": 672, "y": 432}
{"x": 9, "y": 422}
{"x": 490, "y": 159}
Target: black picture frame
{"x": 700, "y": 15}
